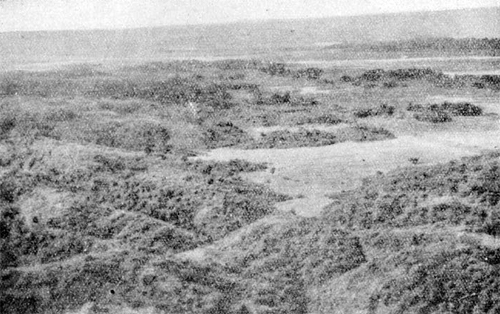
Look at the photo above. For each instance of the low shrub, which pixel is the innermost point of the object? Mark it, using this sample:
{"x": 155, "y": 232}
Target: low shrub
{"x": 286, "y": 99}
{"x": 7, "y": 124}
{"x": 390, "y": 84}
{"x": 433, "y": 116}
{"x": 382, "y": 110}
{"x": 176, "y": 90}
{"x": 237, "y": 64}
{"x": 486, "y": 185}
{"x": 105, "y": 164}
{"x": 231, "y": 167}
{"x": 453, "y": 281}
{"x": 281, "y": 98}
{"x": 400, "y": 75}
{"x": 309, "y": 138}
{"x": 346, "y": 79}
{"x": 70, "y": 285}
{"x": 124, "y": 107}
{"x": 489, "y": 81}
{"x": 12, "y": 232}
{"x": 430, "y": 113}
{"x": 328, "y": 118}
{"x": 240, "y": 207}
{"x": 26, "y": 124}
{"x": 412, "y": 74}
{"x": 148, "y": 136}
{"x": 438, "y": 113}
{"x": 17, "y": 121}
{"x": 308, "y": 73}
{"x": 415, "y": 107}
{"x": 223, "y": 134}
{"x": 401, "y": 198}
{"x": 9, "y": 87}
{"x": 372, "y": 75}
{"x": 22, "y": 245}
{"x": 275, "y": 69}
{"x": 35, "y": 84}
{"x": 285, "y": 139}
{"x": 462, "y": 109}
{"x": 311, "y": 248}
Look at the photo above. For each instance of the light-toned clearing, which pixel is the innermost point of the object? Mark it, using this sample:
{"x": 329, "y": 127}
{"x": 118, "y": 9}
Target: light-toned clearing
{"x": 44, "y": 203}
{"x": 367, "y": 62}
{"x": 483, "y": 72}
{"x": 306, "y": 90}
{"x": 311, "y": 173}
{"x": 313, "y": 90}
{"x": 87, "y": 308}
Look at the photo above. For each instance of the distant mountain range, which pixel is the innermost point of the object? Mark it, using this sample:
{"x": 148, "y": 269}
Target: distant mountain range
{"x": 242, "y": 38}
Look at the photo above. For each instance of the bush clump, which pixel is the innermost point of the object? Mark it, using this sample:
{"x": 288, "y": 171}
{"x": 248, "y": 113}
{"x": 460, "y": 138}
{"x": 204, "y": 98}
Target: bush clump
{"x": 438, "y": 113}
{"x": 412, "y": 74}
{"x": 308, "y": 73}
{"x": 486, "y": 81}
{"x": 240, "y": 207}
{"x": 286, "y": 99}
{"x": 433, "y": 116}
{"x": 231, "y": 167}
{"x": 399, "y": 75}
{"x": 274, "y": 68}
{"x": 346, "y": 79}
{"x": 431, "y": 113}
{"x": 224, "y": 134}
{"x": 382, "y": 110}
{"x": 462, "y": 109}
{"x": 309, "y": 138}
{"x": 372, "y": 75}
{"x": 328, "y": 118}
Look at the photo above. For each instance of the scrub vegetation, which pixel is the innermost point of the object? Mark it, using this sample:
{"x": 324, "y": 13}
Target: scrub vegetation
{"x": 105, "y": 207}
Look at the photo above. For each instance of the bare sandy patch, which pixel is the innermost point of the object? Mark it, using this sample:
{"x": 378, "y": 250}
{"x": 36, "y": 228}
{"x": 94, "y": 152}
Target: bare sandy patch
{"x": 311, "y": 173}
{"x": 480, "y": 72}
{"x": 313, "y": 90}
{"x": 44, "y": 203}
{"x": 385, "y": 61}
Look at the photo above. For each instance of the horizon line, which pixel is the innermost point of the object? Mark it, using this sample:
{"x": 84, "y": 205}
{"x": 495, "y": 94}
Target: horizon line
{"x": 247, "y": 21}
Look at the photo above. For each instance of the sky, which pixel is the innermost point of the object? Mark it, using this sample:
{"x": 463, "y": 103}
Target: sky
{"x": 28, "y": 15}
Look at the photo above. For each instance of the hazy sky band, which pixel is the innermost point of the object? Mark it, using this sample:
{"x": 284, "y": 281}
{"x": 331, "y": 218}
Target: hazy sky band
{"x": 27, "y": 15}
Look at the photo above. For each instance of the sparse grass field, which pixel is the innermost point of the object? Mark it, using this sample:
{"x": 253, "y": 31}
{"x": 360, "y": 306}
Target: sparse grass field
{"x": 182, "y": 187}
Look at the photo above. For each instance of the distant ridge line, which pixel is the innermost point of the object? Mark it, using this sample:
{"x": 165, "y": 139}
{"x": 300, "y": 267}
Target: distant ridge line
{"x": 259, "y": 21}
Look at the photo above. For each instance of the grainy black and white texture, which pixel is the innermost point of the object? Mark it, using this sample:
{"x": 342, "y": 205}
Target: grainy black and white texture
{"x": 312, "y": 165}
